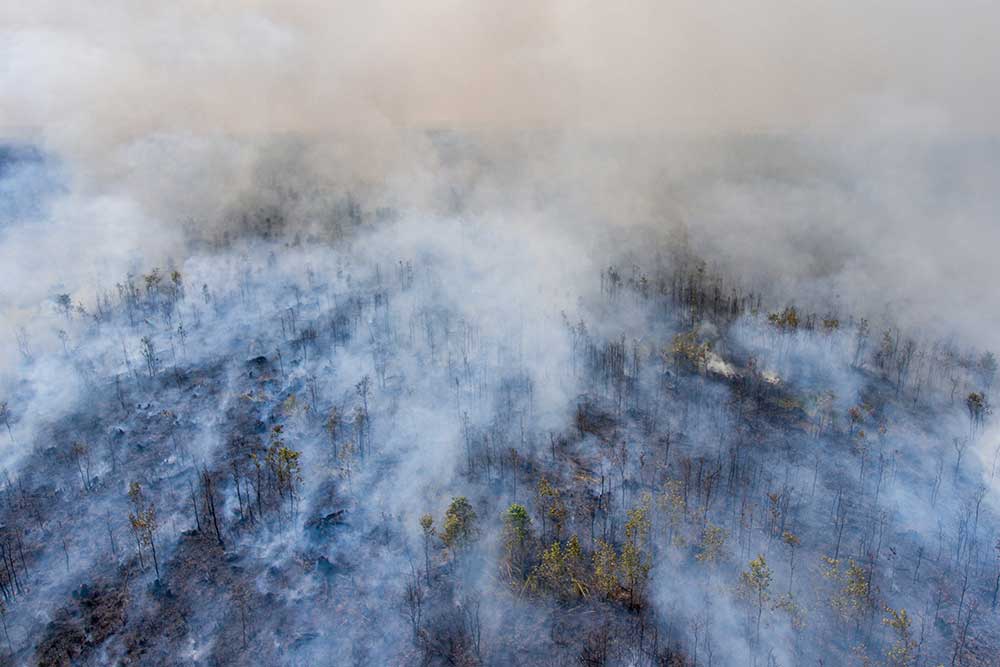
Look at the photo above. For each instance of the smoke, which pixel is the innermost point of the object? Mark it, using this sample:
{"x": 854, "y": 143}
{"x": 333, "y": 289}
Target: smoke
{"x": 175, "y": 118}
{"x": 292, "y": 160}
{"x": 267, "y": 67}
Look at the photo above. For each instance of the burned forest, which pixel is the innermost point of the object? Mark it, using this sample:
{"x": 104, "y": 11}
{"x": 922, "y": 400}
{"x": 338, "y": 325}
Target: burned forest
{"x": 489, "y": 335}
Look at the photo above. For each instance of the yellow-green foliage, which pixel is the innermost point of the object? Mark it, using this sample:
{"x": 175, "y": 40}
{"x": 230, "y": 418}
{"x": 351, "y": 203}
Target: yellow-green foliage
{"x": 786, "y": 320}
{"x": 755, "y": 581}
{"x": 561, "y": 570}
{"x": 517, "y": 523}
{"x": 459, "y": 523}
{"x": 550, "y": 573}
{"x": 851, "y": 594}
{"x": 574, "y": 566}
{"x": 516, "y": 534}
{"x": 283, "y": 463}
{"x": 796, "y": 614}
{"x": 713, "y": 539}
{"x": 755, "y": 584}
{"x": 903, "y": 651}
{"x": 790, "y": 539}
{"x": 672, "y": 505}
{"x": 635, "y": 559}
{"x": 552, "y": 505}
{"x": 143, "y": 519}
{"x": 605, "y": 569}
{"x": 685, "y": 347}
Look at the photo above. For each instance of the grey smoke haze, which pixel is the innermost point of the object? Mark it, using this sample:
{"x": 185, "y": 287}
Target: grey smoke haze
{"x": 841, "y": 157}
{"x": 589, "y": 114}
{"x": 871, "y": 182}
{"x": 96, "y": 75}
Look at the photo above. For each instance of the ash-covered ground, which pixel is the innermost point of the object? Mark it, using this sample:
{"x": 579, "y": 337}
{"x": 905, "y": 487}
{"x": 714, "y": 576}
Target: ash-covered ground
{"x": 310, "y": 452}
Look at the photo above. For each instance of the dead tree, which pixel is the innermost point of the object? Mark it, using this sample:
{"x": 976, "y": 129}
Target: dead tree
{"x": 208, "y": 489}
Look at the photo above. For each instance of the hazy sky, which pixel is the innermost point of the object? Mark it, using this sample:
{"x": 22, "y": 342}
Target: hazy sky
{"x": 163, "y": 113}
{"x": 88, "y": 73}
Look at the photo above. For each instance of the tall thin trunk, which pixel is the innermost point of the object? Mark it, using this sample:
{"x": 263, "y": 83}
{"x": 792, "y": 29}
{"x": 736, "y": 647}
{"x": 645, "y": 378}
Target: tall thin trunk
{"x": 152, "y": 545}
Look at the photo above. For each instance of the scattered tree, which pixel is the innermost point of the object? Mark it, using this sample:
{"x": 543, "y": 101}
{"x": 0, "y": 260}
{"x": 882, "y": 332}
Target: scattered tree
{"x": 755, "y": 583}
{"x": 142, "y": 519}
{"x": 459, "y": 524}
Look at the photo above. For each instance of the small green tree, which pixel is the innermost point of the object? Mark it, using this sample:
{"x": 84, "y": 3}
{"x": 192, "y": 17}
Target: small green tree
{"x": 573, "y": 558}
{"x": 850, "y": 598}
{"x": 285, "y": 467}
{"x": 516, "y": 538}
{"x": 674, "y": 508}
{"x": 550, "y": 573}
{"x": 686, "y": 351}
{"x": 551, "y": 506}
{"x": 459, "y": 524}
{"x": 786, "y": 320}
{"x": 605, "y": 569}
{"x": 713, "y": 539}
{"x": 904, "y": 649}
{"x": 755, "y": 584}
{"x": 635, "y": 558}
{"x": 561, "y": 570}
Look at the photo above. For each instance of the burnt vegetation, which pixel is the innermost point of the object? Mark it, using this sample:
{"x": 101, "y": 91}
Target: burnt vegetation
{"x": 314, "y": 457}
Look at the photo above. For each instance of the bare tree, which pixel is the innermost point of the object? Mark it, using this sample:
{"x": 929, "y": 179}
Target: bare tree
{"x": 143, "y": 522}
{"x": 149, "y": 355}
{"x": 960, "y": 445}
{"x": 413, "y": 601}
{"x": 5, "y": 416}
{"x": 81, "y": 455}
